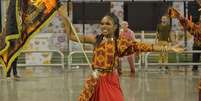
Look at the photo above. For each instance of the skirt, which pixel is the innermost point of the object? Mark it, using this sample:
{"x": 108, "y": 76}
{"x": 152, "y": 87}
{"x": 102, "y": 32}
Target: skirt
{"x": 105, "y": 88}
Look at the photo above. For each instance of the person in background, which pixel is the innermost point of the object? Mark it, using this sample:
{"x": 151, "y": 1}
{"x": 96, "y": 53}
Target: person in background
{"x": 11, "y": 28}
{"x": 125, "y": 31}
{"x": 163, "y": 38}
{"x": 14, "y": 67}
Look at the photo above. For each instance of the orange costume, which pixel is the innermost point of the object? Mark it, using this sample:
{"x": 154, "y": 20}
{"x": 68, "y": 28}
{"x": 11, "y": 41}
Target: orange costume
{"x": 195, "y": 30}
{"x": 129, "y": 34}
{"x": 105, "y": 60}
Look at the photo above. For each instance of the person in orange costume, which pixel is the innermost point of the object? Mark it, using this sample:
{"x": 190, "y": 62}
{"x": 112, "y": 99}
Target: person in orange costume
{"x": 195, "y": 30}
{"x": 103, "y": 84}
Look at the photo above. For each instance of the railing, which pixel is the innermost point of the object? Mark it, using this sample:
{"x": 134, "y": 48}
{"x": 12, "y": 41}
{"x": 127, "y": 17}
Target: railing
{"x": 70, "y": 59}
{"x": 42, "y": 51}
{"x": 140, "y": 62}
{"x": 170, "y": 64}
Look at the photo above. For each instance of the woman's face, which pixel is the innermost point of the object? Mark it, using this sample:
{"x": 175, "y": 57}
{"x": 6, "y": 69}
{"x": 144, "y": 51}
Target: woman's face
{"x": 107, "y": 26}
{"x": 124, "y": 26}
{"x": 164, "y": 20}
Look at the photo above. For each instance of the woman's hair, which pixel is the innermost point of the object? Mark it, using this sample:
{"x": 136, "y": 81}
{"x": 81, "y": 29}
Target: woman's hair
{"x": 116, "y": 23}
{"x": 124, "y": 23}
{"x": 115, "y": 20}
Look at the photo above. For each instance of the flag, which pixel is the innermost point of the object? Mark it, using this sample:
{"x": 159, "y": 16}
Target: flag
{"x": 24, "y": 19}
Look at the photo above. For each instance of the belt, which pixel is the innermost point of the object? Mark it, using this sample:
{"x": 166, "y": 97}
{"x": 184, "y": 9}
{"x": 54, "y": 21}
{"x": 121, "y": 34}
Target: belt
{"x": 102, "y": 70}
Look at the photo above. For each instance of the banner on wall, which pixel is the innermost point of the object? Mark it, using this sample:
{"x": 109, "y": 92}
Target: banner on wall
{"x": 24, "y": 18}
{"x": 39, "y": 42}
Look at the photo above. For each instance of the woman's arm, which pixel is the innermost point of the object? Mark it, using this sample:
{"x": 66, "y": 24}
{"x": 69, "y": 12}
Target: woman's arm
{"x": 70, "y": 31}
{"x": 127, "y": 48}
{"x": 187, "y": 24}
{"x": 133, "y": 35}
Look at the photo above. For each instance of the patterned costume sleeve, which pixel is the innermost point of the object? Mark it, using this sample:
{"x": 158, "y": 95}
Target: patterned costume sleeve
{"x": 190, "y": 26}
{"x": 128, "y": 47}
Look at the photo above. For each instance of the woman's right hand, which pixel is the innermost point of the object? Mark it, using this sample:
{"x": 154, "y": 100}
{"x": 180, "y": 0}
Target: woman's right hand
{"x": 62, "y": 11}
{"x": 95, "y": 74}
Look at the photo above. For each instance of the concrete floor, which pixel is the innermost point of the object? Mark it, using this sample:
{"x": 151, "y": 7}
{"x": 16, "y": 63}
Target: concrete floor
{"x": 53, "y": 84}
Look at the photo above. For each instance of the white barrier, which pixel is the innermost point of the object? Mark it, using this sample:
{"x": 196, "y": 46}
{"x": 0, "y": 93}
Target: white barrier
{"x": 170, "y": 64}
{"x": 42, "y": 51}
{"x": 70, "y": 60}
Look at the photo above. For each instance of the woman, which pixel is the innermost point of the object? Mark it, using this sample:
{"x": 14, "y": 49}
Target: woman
{"x": 108, "y": 47}
{"x": 194, "y": 30}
